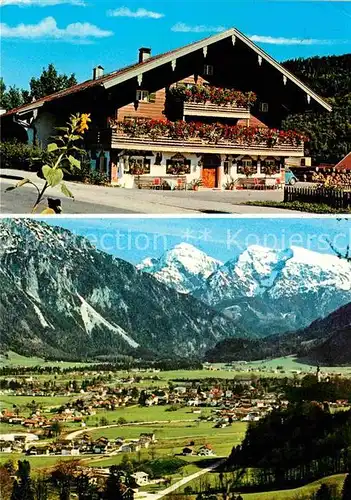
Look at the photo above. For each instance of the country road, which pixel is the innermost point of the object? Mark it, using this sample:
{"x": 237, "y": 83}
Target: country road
{"x": 178, "y": 484}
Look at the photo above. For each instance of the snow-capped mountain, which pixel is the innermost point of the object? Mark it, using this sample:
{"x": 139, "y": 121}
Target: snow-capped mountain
{"x": 184, "y": 267}
{"x": 274, "y": 291}
{"x": 266, "y": 291}
{"x": 62, "y": 297}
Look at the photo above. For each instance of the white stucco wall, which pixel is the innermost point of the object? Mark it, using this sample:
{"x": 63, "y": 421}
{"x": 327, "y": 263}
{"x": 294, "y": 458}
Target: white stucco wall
{"x": 195, "y": 170}
{"x": 44, "y": 126}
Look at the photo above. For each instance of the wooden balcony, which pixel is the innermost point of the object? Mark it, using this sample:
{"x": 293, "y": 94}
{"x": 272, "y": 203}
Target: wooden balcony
{"x": 119, "y": 140}
{"x": 214, "y": 110}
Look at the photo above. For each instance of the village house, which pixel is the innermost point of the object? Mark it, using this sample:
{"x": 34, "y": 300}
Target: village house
{"x": 147, "y": 437}
{"x": 188, "y": 451}
{"x": 141, "y": 478}
{"x": 129, "y": 447}
{"x": 206, "y": 451}
{"x": 206, "y": 113}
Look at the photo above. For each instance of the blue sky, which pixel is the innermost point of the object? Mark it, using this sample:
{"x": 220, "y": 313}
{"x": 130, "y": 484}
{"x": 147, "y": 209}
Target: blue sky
{"x": 133, "y": 239}
{"x": 77, "y": 35}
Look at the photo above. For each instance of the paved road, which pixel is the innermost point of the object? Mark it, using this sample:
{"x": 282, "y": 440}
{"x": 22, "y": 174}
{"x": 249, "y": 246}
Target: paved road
{"x": 20, "y": 202}
{"x": 91, "y": 199}
{"x": 155, "y": 496}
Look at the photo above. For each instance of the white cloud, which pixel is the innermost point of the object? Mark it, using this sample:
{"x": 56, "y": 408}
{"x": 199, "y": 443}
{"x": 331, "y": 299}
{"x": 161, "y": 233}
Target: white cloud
{"x": 185, "y": 28}
{"x": 126, "y": 12}
{"x": 201, "y": 28}
{"x": 291, "y": 41}
{"x": 40, "y": 3}
{"x": 48, "y": 29}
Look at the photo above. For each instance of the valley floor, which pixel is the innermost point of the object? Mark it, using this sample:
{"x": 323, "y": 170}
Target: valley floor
{"x": 175, "y": 427}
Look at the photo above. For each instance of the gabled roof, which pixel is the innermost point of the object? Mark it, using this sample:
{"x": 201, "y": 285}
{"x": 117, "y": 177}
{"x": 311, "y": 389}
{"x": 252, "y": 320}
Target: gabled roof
{"x": 139, "y": 68}
{"x": 345, "y": 162}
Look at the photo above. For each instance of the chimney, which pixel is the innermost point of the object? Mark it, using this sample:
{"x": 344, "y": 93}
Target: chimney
{"x": 144, "y": 54}
{"x": 98, "y": 72}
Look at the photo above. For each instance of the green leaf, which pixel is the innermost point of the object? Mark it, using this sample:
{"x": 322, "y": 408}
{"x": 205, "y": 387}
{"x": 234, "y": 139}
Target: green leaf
{"x": 46, "y": 170}
{"x": 66, "y": 191}
{"x": 53, "y": 176}
{"x": 52, "y": 147}
{"x": 73, "y": 161}
{"x": 20, "y": 183}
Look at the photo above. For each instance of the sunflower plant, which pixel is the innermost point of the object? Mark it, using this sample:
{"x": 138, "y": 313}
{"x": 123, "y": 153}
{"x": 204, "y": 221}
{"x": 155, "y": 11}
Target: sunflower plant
{"x": 63, "y": 153}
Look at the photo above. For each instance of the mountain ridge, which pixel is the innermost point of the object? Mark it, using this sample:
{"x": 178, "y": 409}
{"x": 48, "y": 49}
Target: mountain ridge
{"x": 265, "y": 291}
{"x": 50, "y": 270}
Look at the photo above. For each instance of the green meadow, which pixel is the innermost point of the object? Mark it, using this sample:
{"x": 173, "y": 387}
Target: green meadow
{"x": 303, "y": 493}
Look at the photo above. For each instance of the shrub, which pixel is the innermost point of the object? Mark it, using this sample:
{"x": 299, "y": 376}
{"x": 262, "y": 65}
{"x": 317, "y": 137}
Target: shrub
{"x": 14, "y": 154}
{"x": 165, "y": 466}
{"x": 172, "y": 408}
{"x": 301, "y": 206}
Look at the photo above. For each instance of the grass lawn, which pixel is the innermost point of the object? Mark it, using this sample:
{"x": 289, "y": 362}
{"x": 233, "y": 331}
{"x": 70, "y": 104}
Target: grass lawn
{"x": 144, "y": 414}
{"x": 316, "y": 208}
{"x": 171, "y": 439}
{"x": 7, "y": 401}
{"x": 37, "y": 463}
{"x": 291, "y": 363}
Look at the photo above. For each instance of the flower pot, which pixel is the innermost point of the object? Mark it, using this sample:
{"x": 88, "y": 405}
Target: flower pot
{"x": 196, "y": 188}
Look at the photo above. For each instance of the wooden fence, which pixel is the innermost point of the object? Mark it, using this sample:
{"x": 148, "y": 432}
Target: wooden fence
{"x": 335, "y": 199}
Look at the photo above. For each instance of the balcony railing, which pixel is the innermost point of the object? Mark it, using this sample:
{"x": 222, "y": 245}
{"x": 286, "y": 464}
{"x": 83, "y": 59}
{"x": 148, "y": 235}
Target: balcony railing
{"x": 121, "y": 140}
{"x": 209, "y": 109}
{"x": 165, "y": 136}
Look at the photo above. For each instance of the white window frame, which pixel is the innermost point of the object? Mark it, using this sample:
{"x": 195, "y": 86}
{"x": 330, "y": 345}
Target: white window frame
{"x": 264, "y": 107}
{"x": 208, "y": 69}
{"x": 247, "y": 162}
{"x": 142, "y": 95}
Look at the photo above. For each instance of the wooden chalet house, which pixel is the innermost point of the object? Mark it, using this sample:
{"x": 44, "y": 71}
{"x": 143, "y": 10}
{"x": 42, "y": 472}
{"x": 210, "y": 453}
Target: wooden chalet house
{"x": 210, "y": 110}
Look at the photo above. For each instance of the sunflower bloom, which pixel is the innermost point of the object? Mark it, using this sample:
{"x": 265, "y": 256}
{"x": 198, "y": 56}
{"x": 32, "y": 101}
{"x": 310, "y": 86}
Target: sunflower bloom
{"x": 83, "y": 124}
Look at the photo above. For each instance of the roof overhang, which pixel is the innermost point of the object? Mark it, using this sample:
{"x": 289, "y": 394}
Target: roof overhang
{"x": 233, "y": 32}
{"x": 31, "y": 107}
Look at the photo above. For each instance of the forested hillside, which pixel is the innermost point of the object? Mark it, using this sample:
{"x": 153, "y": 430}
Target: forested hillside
{"x": 329, "y": 133}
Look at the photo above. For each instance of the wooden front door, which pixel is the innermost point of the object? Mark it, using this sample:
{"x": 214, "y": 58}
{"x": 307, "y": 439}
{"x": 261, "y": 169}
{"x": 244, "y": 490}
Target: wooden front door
{"x": 209, "y": 177}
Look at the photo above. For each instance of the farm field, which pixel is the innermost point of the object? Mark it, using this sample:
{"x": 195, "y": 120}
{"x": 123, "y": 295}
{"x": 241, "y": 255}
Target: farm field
{"x": 152, "y": 413}
{"x": 174, "y": 436}
{"x": 14, "y": 359}
{"x": 291, "y": 363}
{"x": 8, "y": 402}
{"x": 37, "y": 463}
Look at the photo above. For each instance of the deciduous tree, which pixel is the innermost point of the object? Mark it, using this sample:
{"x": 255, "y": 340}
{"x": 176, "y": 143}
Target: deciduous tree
{"x": 50, "y": 81}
